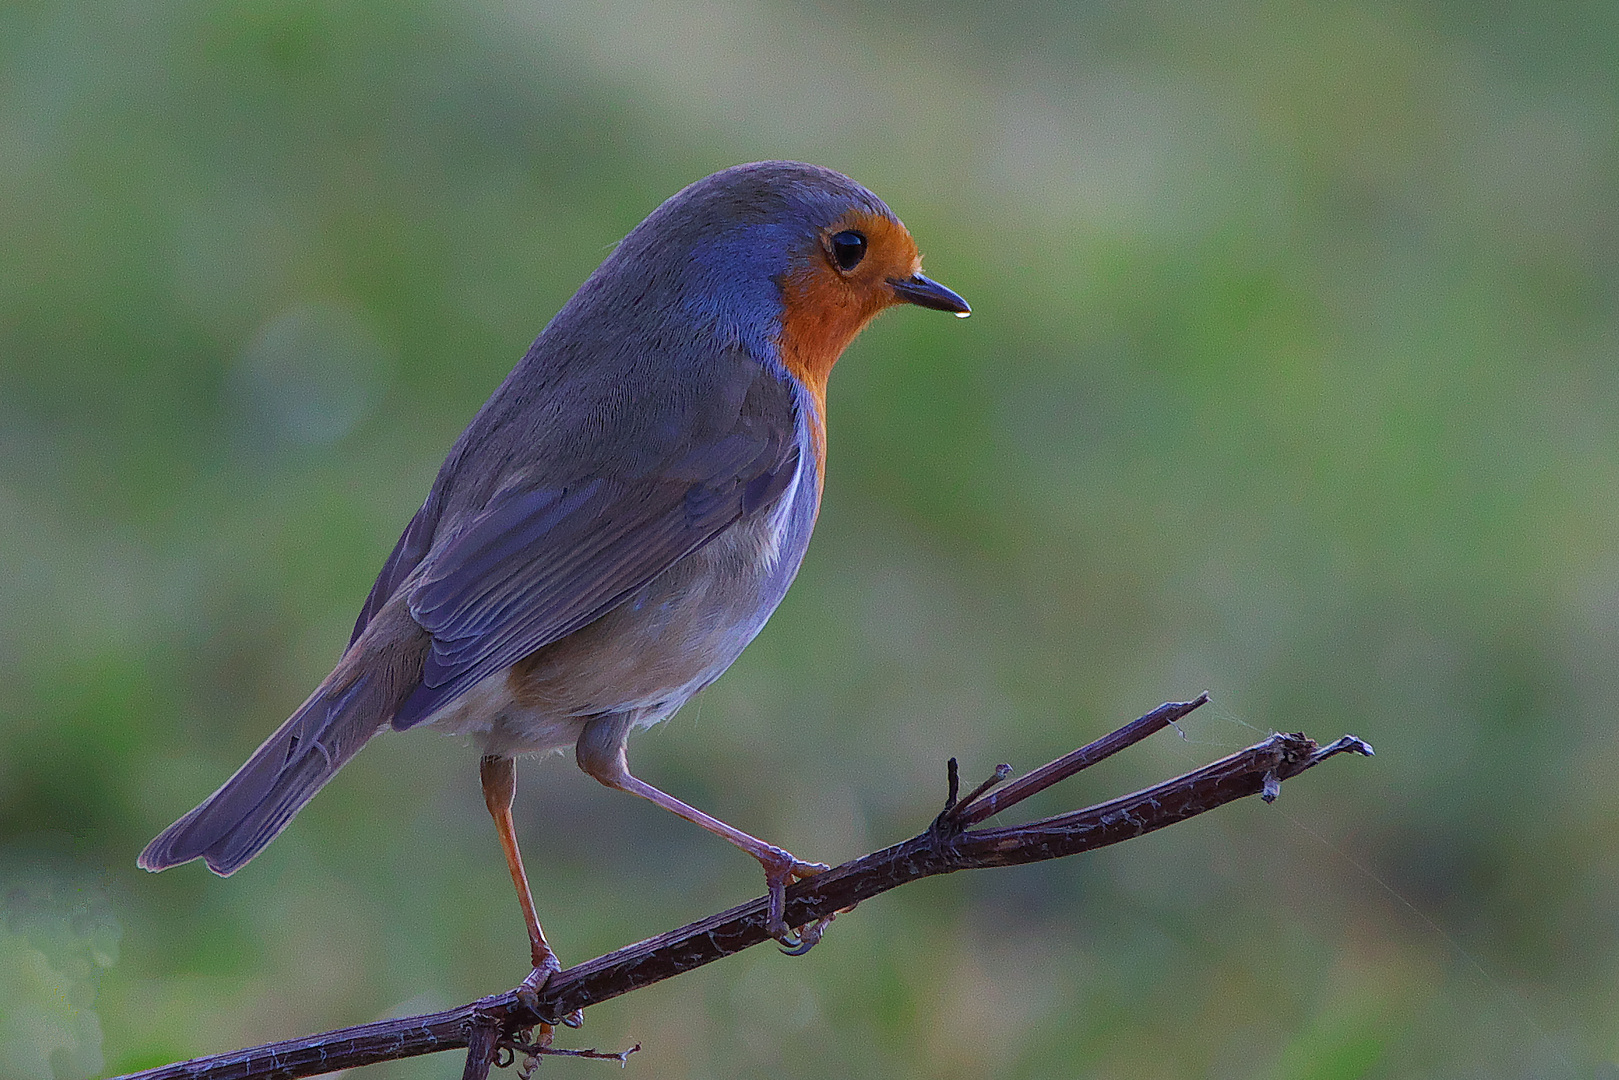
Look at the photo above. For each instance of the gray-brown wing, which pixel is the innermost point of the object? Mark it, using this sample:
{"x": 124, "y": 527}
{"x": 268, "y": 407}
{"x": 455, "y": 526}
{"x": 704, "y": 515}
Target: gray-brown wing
{"x": 539, "y": 563}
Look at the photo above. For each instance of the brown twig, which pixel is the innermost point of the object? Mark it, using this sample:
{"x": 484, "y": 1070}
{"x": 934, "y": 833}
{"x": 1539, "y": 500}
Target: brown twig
{"x": 970, "y": 813}
{"x": 946, "y": 846}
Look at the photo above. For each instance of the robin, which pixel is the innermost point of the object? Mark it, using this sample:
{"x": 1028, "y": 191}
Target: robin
{"x": 616, "y": 523}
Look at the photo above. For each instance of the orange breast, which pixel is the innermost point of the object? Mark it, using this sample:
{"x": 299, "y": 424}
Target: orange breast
{"x": 823, "y": 309}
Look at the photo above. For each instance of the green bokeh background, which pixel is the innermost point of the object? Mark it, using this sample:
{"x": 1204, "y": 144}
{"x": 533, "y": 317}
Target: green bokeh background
{"x": 1292, "y": 377}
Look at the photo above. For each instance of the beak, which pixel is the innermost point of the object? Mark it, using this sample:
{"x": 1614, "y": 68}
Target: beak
{"x": 924, "y": 292}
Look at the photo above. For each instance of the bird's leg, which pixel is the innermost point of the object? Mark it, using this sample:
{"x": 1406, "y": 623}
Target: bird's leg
{"x": 601, "y": 754}
{"x": 499, "y": 776}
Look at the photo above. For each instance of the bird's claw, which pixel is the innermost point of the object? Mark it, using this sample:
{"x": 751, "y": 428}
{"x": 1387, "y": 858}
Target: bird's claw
{"x": 782, "y": 869}
{"x": 528, "y": 991}
{"x": 800, "y": 941}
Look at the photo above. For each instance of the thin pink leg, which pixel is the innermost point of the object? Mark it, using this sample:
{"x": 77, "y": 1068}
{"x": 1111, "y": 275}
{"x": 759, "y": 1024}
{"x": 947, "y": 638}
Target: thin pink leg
{"x": 601, "y": 754}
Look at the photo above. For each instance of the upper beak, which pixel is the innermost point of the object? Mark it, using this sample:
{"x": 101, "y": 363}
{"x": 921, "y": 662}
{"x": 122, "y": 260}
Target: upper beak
{"x": 925, "y": 292}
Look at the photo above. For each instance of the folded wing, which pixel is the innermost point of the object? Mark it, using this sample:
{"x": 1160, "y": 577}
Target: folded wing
{"x": 540, "y": 562}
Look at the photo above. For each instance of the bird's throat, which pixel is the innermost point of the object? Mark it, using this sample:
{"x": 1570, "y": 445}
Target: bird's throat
{"x": 819, "y": 320}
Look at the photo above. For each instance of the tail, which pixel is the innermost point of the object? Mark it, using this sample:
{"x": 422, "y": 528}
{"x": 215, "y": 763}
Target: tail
{"x": 237, "y": 821}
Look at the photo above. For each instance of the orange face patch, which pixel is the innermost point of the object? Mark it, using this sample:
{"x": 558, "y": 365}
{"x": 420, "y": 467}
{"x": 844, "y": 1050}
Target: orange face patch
{"x": 824, "y": 307}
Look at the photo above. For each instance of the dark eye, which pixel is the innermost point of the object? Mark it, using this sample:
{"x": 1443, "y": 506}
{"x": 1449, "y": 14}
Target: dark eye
{"x": 848, "y": 248}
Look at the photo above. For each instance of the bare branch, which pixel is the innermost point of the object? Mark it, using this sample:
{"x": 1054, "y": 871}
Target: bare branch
{"x": 971, "y": 813}
{"x": 946, "y": 846}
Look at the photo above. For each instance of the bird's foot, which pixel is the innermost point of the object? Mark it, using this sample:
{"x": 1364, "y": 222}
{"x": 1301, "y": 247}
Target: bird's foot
{"x": 782, "y": 868}
{"x": 546, "y": 964}
{"x": 805, "y": 937}
{"x": 541, "y": 1035}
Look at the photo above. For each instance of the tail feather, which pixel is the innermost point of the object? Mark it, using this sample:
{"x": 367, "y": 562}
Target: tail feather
{"x": 236, "y": 822}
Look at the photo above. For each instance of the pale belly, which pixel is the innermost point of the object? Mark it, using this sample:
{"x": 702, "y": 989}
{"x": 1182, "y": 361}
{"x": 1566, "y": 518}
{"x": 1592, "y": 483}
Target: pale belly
{"x": 646, "y": 657}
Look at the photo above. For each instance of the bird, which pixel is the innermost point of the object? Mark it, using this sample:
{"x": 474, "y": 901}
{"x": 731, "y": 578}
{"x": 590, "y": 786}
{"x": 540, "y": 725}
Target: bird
{"x": 617, "y": 522}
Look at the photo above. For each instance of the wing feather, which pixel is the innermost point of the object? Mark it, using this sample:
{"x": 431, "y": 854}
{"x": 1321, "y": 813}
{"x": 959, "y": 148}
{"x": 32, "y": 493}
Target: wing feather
{"x": 539, "y": 563}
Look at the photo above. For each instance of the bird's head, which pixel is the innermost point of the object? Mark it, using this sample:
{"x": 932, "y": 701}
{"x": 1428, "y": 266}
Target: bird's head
{"x": 790, "y": 259}
{"x": 860, "y": 263}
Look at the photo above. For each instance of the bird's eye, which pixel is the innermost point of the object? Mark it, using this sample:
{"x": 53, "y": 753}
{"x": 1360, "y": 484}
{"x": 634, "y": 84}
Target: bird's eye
{"x": 848, "y": 248}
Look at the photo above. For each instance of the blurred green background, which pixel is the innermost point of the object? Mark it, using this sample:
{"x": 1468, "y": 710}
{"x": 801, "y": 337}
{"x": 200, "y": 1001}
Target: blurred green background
{"x": 1292, "y": 377}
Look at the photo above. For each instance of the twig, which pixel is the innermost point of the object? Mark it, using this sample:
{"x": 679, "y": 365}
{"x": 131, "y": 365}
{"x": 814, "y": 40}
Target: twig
{"x": 482, "y": 1036}
{"x": 946, "y": 846}
{"x": 620, "y": 1056}
{"x": 969, "y": 813}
